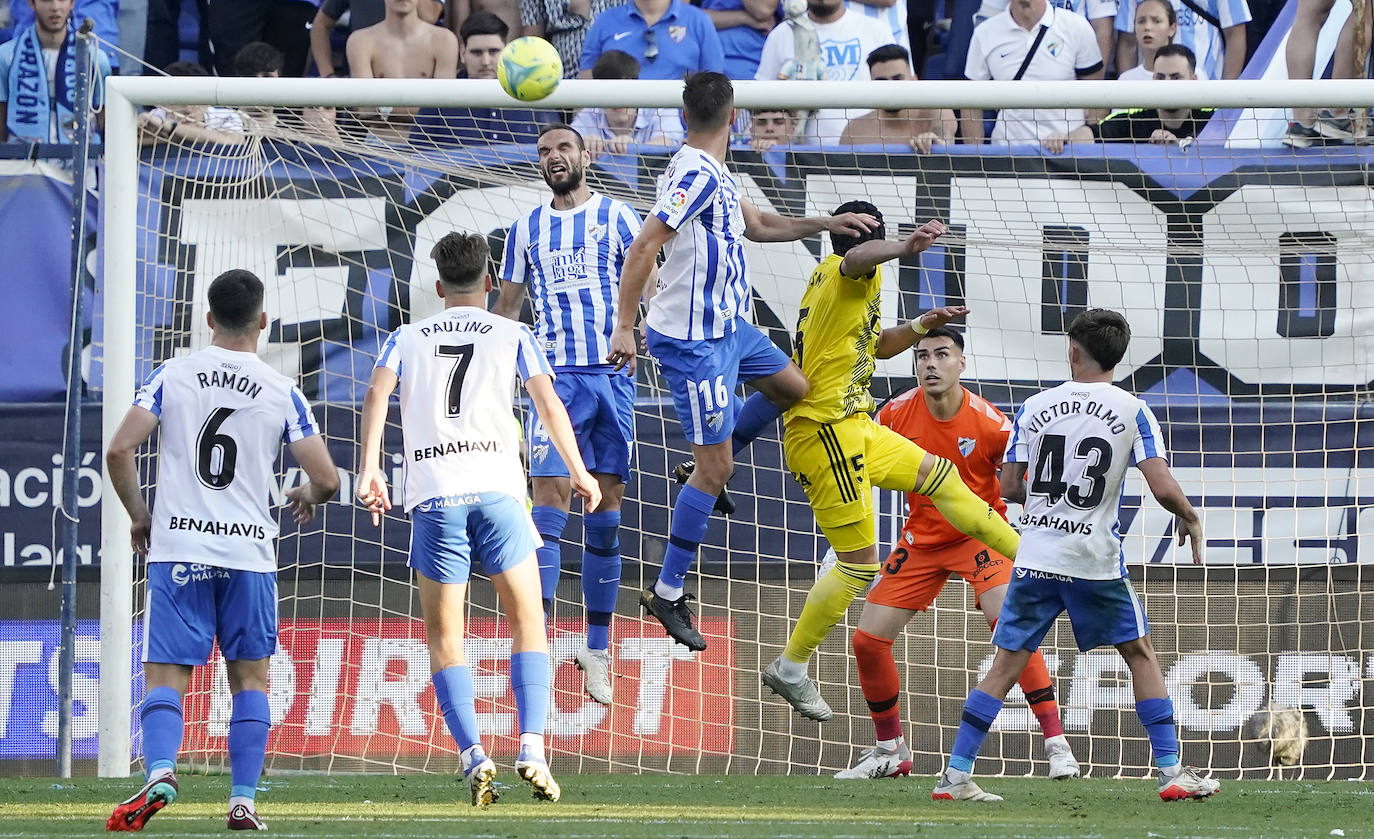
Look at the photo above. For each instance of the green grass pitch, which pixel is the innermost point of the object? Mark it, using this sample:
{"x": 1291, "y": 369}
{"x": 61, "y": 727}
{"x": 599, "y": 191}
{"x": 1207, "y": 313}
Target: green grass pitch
{"x": 668, "y": 807}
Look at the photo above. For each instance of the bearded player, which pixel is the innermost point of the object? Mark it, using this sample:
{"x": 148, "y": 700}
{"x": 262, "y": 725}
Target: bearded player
{"x": 945, "y": 419}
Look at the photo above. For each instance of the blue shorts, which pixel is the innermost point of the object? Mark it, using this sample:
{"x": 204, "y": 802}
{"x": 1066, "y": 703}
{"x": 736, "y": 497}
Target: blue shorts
{"x": 602, "y": 409}
{"x": 447, "y": 534}
{"x": 699, "y": 373}
{"x": 190, "y": 605}
{"x": 1102, "y": 612}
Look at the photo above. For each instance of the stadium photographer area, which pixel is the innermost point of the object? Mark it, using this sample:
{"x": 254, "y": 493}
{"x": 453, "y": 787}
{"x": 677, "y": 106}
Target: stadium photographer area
{"x": 1244, "y": 268}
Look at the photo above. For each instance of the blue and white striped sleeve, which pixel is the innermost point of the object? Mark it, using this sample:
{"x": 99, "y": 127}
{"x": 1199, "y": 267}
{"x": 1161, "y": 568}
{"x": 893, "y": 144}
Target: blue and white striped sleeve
{"x": 149, "y": 397}
{"x": 390, "y": 356}
{"x": 627, "y": 227}
{"x": 529, "y": 360}
{"x": 1018, "y": 449}
{"x": 300, "y": 419}
{"x": 1149, "y": 440}
{"x": 1125, "y": 16}
{"x": 686, "y": 197}
{"x": 513, "y": 264}
{"x": 1232, "y": 12}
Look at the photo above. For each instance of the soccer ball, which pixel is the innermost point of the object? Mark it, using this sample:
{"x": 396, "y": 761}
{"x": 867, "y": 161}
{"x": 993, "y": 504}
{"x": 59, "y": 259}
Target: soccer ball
{"x": 529, "y": 68}
{"x": 1280, "y": 730}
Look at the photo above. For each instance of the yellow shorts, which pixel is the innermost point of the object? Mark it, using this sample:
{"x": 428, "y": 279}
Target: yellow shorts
{"x": 838, "y": 464}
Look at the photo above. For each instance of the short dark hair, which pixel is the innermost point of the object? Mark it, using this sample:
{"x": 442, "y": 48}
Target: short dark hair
{"x": 1103, "y": 334}
{"x": 889, "y": 52}
{"x": 707, "y": 99}
{"x": 185, "y": 68}
{"x": 840, "y": 243}
{"x": 562, "y": 126}
{"x": 256, "y": 58}
{"x": 1180, "y": 50}
{"x": 615, "y": 64}
{"x": 462, "y": 259}
{"x": 944, "y": 332}
{"x": 482, "y": 23}
{"x": 235, "y": 300}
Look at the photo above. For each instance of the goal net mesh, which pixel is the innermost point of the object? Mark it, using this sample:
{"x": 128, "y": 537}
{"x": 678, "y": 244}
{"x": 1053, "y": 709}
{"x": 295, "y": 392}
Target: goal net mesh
{"x": 1245, "y": 271}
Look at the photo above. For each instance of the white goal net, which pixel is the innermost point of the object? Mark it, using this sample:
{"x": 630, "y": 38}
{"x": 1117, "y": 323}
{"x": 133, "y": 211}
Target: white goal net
{"x": 1245, "y": 268}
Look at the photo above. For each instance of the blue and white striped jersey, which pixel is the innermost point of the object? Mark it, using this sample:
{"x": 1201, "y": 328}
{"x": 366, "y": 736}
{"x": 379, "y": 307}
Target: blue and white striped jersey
{"x": 894, "y": 16}
{"x": 703, "y": 283}
{"x": 1077, "y": 440}
{"x": 223, "y": 416}
{"x": 457, "y": 415}
{"x": 571, "y": 261}
{"x": 1194, "y": 31}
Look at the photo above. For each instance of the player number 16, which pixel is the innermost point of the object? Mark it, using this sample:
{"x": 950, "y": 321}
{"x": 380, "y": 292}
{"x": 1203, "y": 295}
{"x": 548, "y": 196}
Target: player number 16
{"x": 722, "y": 395}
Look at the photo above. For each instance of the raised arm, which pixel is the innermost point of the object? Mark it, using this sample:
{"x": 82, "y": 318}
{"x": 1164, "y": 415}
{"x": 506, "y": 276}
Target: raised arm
{"x": 138, "y": 425}
{"x": 771, "y": 227}
{"x": 555, "y": 419}
{"x": 898, "y": 339}
{"x": 371, "y": 484}
{"x": 640, "y": 264}
{"x": 1170, "y": 496}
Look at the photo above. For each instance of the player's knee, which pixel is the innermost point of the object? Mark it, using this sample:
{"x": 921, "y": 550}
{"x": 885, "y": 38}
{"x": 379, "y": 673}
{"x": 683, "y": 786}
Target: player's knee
{"x": 715, "y": 465}
{"x": 552, "y": 492}
{"x": 1139, "y": 651}
{"x": 867, "y": 645}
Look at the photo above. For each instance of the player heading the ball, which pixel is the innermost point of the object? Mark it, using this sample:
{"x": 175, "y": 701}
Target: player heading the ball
{"x": 1076, "y": 440}
{"x": 699, "y": 327}
{"x": 569, "y": 254}
{"x": 465, "y": 492}
{"x": 837, "y": 452}
{"x": 212, "y": 570}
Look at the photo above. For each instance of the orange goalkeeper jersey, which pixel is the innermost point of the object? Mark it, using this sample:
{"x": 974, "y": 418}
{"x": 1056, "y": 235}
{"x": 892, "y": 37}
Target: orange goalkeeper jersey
{"x": 975, "y": 440}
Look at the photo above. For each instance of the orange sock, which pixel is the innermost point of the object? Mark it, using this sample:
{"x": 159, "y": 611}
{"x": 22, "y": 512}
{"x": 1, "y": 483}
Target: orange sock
{"x": 1035, "y": 683}
{"x": 879, "y": 682}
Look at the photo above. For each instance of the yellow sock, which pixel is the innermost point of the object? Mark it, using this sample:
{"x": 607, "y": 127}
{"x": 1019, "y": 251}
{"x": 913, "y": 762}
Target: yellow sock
{"x": 825, "y": 605}
{"x": 967, "y": 511}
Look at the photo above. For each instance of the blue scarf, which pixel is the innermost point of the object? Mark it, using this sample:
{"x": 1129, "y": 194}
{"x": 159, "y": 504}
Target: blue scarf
{"x": 30, "y": 112}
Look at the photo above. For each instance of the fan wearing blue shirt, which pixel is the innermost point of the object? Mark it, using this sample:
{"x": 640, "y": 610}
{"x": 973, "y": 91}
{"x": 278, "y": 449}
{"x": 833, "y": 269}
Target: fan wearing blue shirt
{"x": 669, "y": 39}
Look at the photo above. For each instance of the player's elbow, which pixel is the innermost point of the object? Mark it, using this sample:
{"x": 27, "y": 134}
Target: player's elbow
{"x": 117, "y": 456}
{"x": 326, "y": 484}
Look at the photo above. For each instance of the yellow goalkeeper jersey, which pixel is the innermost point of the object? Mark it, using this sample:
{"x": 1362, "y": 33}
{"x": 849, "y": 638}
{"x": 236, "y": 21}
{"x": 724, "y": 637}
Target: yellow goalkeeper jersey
{"x": 837, "y": 340}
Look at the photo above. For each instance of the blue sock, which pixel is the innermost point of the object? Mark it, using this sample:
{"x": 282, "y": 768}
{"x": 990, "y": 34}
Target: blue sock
{"x": 757, "y": 415}
{"x": 600, "y": 574}
{"x": 248, "y": 726}
{"x": 980, "y": 709}
{"x": 1157, "y": 715}
{"x": 454, "y": 693}
{"x": 529, "y": 679}
{"x": 162, "y": 728}
{"x": 549, "y": 521}
{"x": 691, "y": 515}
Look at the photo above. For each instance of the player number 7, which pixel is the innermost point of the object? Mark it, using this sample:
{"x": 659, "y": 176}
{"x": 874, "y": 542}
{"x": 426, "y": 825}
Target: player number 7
{"x": 463, "y": 354}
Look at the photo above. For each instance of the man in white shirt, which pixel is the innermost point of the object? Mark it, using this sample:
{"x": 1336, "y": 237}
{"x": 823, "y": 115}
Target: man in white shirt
{"x": 846, "y": 38}
{"x": 1100, "y": 13}
{"x": 1032, "y": 40}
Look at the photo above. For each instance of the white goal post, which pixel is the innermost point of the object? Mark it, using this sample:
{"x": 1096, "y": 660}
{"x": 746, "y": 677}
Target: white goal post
{"x": 124, "y": 96}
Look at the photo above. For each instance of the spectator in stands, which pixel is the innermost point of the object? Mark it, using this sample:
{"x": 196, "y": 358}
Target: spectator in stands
{"x": 743, "y": 26}
{"x": 37, "y": 103}
{"x": 669, "y": 39}
{"x": 564, "y": 24}
{"x": 285, "y": 24}
{"x": 1099, "y": 13}
{"x": 845, "y": 38}
{"x": 483, "y": 37}
{"x": 769, "y": 128}
{"x": 891, "y": 12}
{"x": 402, "y": 46}
{"x": 457, "y": 13}
{"x": 190, "y": 123}
{"x": 162, "y": 44}
{"x": 1213, "y": 29}
{"x": 1032, "y": 40}
{"x": 1172, "y": 62}
{"x": 103, "y": 13}
{"x": 1156, "y": 24}
{"x": 615, "y": 129}
{"x": 920, "y": 128}
{"x": 361, "y": 14}
{"x": 258, "y": 60}
{"x": 1310, "y": 126}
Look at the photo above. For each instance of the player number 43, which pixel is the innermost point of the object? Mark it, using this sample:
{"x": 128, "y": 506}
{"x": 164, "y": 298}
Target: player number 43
{"x": 1048, "y": 478}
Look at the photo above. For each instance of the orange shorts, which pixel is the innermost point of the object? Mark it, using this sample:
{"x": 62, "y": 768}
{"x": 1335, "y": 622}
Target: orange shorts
{"x": 911, "y": 578}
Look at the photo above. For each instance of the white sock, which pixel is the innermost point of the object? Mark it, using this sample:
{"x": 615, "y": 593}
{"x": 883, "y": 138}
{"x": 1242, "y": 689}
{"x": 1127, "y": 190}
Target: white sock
{"x": 471, "y": 755}
{"x": 956, "y": 776}
{"x": 890, "y": 745}
{"x": 531, "y": 746}
{"x": 158, "y": 774}
{"x": 1057, "y": 743}
{"x": 791, "y": 671}
{"x": 666, "y": 591}
{"x": 1171, "y": 771}
{"x": 236, "y": 800}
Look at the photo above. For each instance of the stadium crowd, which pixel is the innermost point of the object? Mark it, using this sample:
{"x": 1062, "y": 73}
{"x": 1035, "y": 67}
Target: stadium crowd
{"x": 667, "y": 39}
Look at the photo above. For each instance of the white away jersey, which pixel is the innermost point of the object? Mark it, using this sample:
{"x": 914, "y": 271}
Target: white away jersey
{"x": 457, "y": 419}
{"x": 571, "y": 260}
{"x": 223, "y": 417}
{"x": 1076, "y": 441}
{"x": 703, "y": 283}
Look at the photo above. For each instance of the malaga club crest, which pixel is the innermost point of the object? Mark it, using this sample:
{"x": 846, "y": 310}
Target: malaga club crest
{"x": 966, "y": 446}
